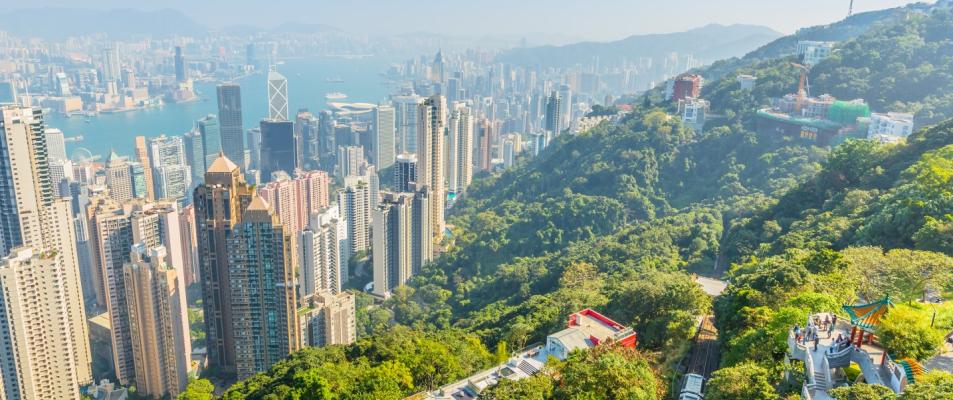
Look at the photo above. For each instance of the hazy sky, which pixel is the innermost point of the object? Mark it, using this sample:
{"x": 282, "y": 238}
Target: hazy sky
{"x": 590, "y": 19}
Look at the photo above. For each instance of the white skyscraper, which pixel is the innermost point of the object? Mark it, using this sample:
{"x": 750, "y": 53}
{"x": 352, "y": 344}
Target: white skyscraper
{"x": 384, "y": 148}
{"x": 323, "y": 266}
{"x": 277, "y": 95}
{"x": 459, "y": 149}
{"x": 55, "y": 144}
{"x": 354, "y": 201}
{"x": 431, "y": 122}
{"x": 44, "y": 342}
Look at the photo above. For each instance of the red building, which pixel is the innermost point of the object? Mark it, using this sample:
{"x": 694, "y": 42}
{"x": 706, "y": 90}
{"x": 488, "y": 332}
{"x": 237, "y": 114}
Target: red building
{"x": 687, "y": 86}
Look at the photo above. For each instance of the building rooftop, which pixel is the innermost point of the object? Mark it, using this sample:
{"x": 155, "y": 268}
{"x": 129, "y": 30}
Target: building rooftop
{"x": 222, "y": 165}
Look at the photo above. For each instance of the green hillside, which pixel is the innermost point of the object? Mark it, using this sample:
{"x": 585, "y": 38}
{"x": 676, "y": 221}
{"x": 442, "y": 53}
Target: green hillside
{"x": 618, "y": 217}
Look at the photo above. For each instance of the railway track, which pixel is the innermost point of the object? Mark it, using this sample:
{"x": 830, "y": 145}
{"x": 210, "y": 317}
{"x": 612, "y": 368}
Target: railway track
{"x": 705, "y": 353}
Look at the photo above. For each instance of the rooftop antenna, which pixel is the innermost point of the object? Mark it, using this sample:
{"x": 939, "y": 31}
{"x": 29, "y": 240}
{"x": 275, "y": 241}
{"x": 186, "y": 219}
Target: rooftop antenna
{"x": 850, "y": 11}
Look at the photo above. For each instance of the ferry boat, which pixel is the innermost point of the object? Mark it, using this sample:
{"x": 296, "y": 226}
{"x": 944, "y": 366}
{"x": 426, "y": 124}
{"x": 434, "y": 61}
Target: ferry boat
{"x": 334, "y": 80}
{"x": 335, "y": 96}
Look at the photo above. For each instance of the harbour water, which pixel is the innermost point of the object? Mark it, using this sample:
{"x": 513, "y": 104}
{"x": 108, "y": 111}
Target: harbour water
{"x": 309, "y": 80}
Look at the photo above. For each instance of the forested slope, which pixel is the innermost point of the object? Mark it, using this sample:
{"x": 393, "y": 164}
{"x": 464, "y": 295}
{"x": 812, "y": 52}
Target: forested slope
{"x": 618, "y": 217}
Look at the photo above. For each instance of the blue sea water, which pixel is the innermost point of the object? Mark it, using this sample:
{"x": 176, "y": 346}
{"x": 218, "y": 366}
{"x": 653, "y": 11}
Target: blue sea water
{"x": 307, "y": 85}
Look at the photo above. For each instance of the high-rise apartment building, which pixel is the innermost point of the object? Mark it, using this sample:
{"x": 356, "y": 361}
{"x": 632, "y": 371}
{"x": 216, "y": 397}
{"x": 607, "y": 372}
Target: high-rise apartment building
{"x": 459, "y": 149}
{"x": 277, "y": 96}
{"x": 142, "y": 156}
{"x": 328, "y": 319}
{"x": 277, "y": 148}
{"x": 219, "y": 205}
{"x": 554, "y": 120}
{"x": 482, "y": 153}
{"x": 44, "y": 345}
{"x": 230, "y": 116}
{"x": 405, "y": 172}
{"x": 294, "y": 199}
{"x": 158, "y": 322}
{"x": 406, "y": 110}
{"x": 263, "y": 295}
{"x": 119, "y": 178}
{"x": 354, "y": 200}
{"x": 431, "y": 123}
{"x": 254, "y": 148}
{"x": 323, "y": 253}
{"x": 383, "y": 146}
{"x": 350, "y": 161}
{"x": 401, "y": 240}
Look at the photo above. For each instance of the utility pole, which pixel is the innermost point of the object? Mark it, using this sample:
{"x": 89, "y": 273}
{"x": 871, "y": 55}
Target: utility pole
{"x": 850, "y": 11}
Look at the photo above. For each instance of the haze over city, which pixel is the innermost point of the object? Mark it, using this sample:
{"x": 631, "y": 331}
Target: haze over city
{"x": 461, "y": 200}
{"x": 558, "y": 19}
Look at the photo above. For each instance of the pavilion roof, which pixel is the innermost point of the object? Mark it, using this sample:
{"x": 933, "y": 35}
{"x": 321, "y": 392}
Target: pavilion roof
{"x": 867, "y": 316}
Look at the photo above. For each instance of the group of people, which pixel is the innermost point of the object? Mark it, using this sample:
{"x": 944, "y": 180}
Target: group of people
{"x": 815, "y": 325}
{"x": 839, "y": 344}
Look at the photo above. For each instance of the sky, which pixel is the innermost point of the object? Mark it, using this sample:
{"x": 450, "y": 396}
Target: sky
{"x": 582, "y": 19}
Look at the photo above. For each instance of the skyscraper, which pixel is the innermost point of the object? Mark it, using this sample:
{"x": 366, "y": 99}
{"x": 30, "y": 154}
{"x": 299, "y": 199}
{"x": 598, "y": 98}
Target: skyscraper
{"x": 350, "y": 160}
{"x": 383, "y": 147}
{"x": 431, "y": 123}
{"x": 354, "y": 200}
{"x": 327, "y": 143}
{"x": 211, "y": 132}
{"x": 460, "y": 149}
{"x": 56, "y": 144}
{"x": 181, "y": 68}
{"x": 142, "y": 156}
{"x": 230, "y": 116}
{"x": 405, "y": 172}
{"x": 482, "y": 152}
{"x": 294, "y": 199}
{"x": 406, "y": 110}
{"x": 254, "y": 148}
{"x": 219, "y": 205}
{"x": 277, "y": 148}
{"x": 111, "y": 65}
{"x": 402, "y": 240}
{"x": 44, "y": 347}
{"x": 159, "y": 323}
{"x": 172, "y": 175}
{"x": 307, "y": 127}
{"x": 263, "y": 295}
{"x": 119, "y": 178}
{"x": 393, "y": 238}
{"x": 554, "y": 109}
{"x": 277, "y": 95}
{"x": 565, "y": 104}
{"x": 322, "y": 257}
{"x": 195, "y": 154}
{"x": 328, "y": 319}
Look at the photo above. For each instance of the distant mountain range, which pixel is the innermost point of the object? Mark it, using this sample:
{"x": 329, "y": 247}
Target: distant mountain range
{"x": 59, "y": 23}
{"x": 708, "y": 43}
{"x": 839, "y": 31}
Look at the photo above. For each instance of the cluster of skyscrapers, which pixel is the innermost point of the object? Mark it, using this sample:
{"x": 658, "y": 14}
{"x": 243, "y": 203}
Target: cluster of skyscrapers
{"x": 267, "y": 221}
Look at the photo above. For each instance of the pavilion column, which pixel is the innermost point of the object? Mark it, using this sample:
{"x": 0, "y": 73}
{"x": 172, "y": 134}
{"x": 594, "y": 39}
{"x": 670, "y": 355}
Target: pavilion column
{"x": 853, "y": 332}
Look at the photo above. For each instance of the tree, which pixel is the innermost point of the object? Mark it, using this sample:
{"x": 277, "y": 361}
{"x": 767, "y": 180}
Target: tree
{"x": 930, "y": 386}
{"x": 743, "y": 381}
{"x": 536, "y": 387}
{"x": 863, "y": 391}
{"x": 607, "y": 372}
{"x": 906, "y": 333}
{"x": 199, "y": 389}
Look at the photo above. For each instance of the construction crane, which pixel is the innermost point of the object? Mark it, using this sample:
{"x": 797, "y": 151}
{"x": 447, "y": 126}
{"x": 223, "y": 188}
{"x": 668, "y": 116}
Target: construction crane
{"x": 850, "y": 11}
{"x": 803, "y": 87}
